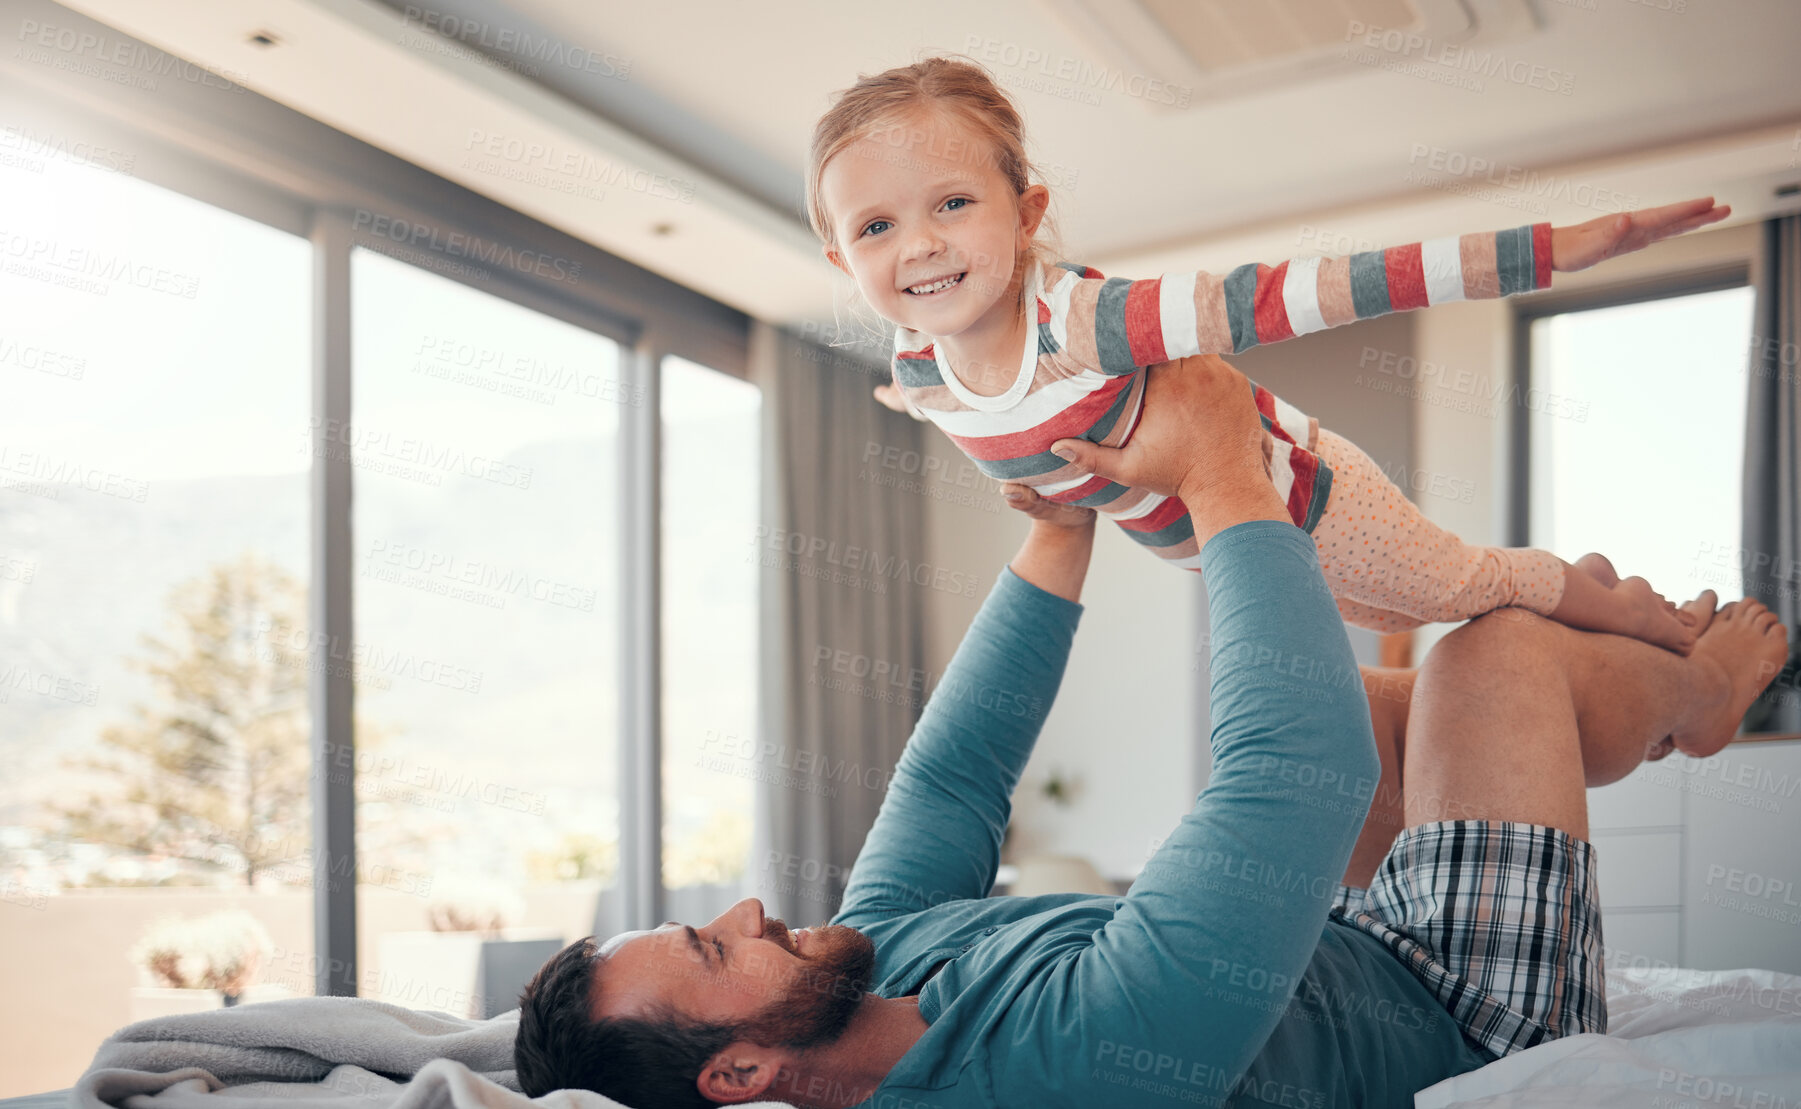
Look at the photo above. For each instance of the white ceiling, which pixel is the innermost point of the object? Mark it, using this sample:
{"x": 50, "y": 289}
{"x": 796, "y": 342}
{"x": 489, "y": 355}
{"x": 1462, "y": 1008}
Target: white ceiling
{"x": 1656, "y": 99}
{"x": 760, "y": 74}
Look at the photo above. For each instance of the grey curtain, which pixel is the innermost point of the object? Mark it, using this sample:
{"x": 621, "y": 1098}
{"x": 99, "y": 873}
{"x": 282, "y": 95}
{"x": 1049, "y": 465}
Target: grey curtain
{"x": 1772, "y": 505}
{"x": 842, "y": 642}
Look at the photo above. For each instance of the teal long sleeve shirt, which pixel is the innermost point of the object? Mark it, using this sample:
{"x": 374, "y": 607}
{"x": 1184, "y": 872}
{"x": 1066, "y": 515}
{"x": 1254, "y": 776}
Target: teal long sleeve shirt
{"x": 1217, "y": 979}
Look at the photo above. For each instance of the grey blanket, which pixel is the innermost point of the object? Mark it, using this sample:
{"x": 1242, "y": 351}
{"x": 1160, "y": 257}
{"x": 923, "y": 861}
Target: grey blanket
{"x": 317, "y": 1053}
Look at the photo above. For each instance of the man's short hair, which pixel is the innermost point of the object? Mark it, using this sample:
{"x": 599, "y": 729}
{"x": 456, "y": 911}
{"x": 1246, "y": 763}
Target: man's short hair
{"x": 648, "y": 1063}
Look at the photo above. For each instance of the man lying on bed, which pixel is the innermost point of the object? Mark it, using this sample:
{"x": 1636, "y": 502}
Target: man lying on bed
{"x": 1236, "y": 970}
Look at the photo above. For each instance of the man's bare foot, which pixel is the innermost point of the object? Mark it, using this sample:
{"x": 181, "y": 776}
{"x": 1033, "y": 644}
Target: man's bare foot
{"x": 1741, "y": 651}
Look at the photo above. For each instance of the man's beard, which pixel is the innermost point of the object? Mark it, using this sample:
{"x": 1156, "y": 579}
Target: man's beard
{"x": 817, "y": 1008}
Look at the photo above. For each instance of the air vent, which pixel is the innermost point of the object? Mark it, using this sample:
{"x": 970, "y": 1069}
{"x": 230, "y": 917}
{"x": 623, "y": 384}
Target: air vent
{"x": 1209, "y": 50}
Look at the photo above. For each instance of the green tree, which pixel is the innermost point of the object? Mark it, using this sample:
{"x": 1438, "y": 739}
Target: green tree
{"x": 216, "y": 769}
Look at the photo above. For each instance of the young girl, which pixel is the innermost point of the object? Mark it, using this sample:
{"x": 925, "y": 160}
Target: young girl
{"x": 919, "y": 188}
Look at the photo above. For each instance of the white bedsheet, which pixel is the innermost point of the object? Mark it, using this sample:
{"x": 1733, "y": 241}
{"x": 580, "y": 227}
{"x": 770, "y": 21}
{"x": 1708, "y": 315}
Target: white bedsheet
{"x": 1677, "y": 1039}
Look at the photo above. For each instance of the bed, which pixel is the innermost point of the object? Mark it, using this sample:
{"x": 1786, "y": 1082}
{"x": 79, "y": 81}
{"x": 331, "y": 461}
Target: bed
{"x": 1677, "y": 1039}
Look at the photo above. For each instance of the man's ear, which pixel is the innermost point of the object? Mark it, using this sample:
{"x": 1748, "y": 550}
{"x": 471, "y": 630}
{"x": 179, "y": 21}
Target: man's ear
{"x": 837, "y": 259}
{"x": 740, "y": 1072}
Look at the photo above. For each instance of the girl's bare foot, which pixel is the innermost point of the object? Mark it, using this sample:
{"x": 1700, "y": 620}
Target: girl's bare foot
{"x": 1739, "y": 653}
{"x": 1596, "y": 566}
{"x": 1653, "y": 619}
{"x": 1697, "y": 614}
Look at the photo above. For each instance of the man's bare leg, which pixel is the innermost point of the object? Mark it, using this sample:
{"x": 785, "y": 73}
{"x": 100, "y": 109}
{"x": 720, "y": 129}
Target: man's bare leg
{"x": 1390, "y": 691}
{"x": 1513, "y": 717}
{"x": 1518, "y": 717}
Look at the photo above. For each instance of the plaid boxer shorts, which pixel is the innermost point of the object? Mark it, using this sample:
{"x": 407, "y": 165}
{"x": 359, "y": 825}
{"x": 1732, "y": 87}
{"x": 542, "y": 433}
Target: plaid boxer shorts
{"x": 1500, "y": 920}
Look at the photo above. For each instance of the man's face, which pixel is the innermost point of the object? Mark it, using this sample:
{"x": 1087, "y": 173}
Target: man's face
{"x": 783, "y": 989}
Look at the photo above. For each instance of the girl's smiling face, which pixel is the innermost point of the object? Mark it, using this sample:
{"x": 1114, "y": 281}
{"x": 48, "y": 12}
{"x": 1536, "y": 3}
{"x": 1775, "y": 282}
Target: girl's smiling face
{"x": 929, "y": 227}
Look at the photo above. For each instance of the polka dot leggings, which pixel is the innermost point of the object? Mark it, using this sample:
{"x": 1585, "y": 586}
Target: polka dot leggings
{"x": 1391, "y": 569}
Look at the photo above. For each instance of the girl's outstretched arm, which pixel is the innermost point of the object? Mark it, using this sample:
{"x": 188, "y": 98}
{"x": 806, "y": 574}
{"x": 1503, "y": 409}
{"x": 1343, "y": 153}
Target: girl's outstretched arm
{"x": 1116, "y": 326}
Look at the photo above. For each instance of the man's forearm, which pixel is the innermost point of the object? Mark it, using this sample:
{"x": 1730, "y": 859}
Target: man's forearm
{"x": 1204, "y": 953}
{"x": 1216, "y": 502}
{"x": 938, "y": 834}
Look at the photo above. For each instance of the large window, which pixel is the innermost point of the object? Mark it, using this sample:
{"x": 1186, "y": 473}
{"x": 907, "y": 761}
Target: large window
{"x": 1636, "y": 435}
{"x": 154, "y": 361}
{"x": 1637, "y": 418}
{"x": 710, "y": 484}
{"x": 169, "y": 496}
{"x": 483, "y": 442}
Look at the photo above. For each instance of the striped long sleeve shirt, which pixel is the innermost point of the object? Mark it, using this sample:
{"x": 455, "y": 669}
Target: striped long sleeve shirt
{"x": 1081, "y": 377}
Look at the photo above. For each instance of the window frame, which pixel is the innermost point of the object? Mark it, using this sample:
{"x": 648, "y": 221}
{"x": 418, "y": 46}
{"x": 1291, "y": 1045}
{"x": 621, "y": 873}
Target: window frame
{"x": 259, "y": 159}
{"x": 1529, "y": 310}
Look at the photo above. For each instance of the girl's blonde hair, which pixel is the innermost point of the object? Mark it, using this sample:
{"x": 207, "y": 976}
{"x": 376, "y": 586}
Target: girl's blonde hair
{"x": 896, "y": 96}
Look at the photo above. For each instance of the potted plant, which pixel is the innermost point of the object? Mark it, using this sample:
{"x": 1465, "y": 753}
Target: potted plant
{"x": 473, "y": 961}
{"x": 199, "y": 963}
